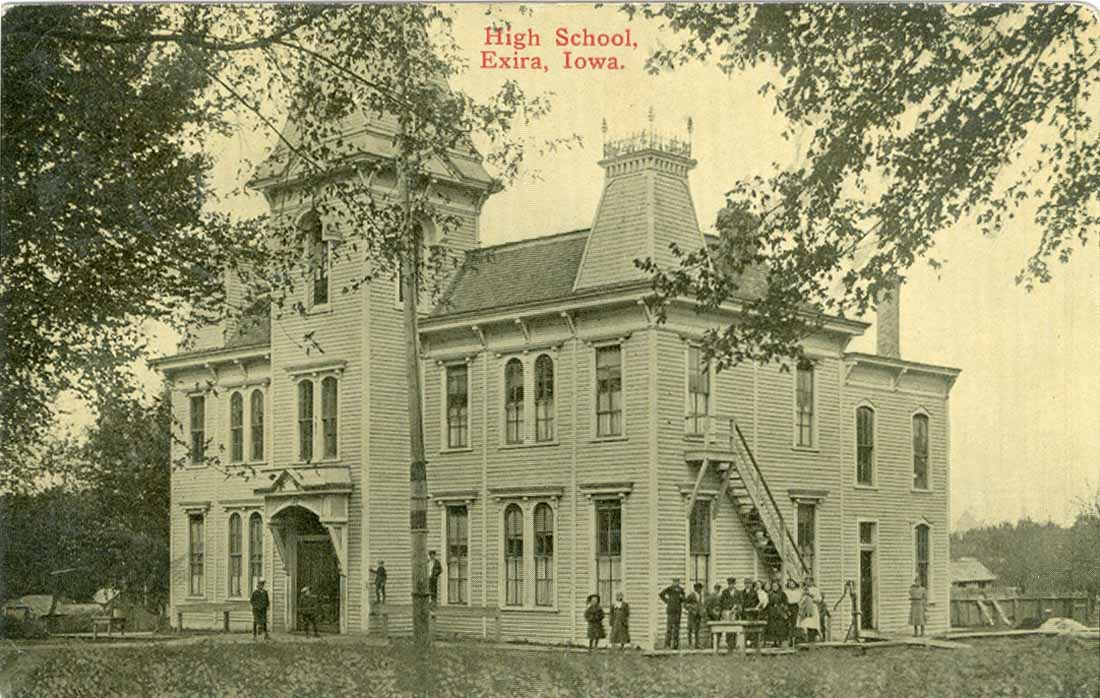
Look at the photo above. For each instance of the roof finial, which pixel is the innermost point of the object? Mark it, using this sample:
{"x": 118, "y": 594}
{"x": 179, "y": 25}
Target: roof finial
{"x": 650, "y": 119}
{"x": 603, "y": 127}
{"x": 691, "y": 127}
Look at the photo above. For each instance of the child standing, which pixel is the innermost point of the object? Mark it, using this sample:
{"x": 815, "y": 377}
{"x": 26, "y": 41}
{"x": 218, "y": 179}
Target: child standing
{"x": 593, "y": 615}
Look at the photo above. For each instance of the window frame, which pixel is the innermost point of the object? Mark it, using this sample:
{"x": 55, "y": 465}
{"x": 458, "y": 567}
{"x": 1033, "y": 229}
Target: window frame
{"x": 318, "y": 258}
{"x": 868, "y": 407}
{"x": 798, "y": 508}
{"x": 914, "y": 417}
{"x": 541, "y": 400}
{"x": 927, "y": 577}
{"x": 463, "y": 427}
{"x": 330, "y": 418}
{"x": 621, "y": 412}
{"x": 307, "y": 427}
{"x": 463, "y": 580}
{"x": 548, "y": 559}
{"x": 513, "y": 527}
{"x": 695, "y": 423}
{"x": 256, "y": 427}
{"x": 704, "y": 503}
{"x": 615, "y": 583}
{"x": 235, "y": 557}
{"x": 196, "y": 450}
{"x": 236, "y": 428}
{"x": 255, "y": 560}
{"x": 807, "y": 365}
{"x": 196, "y": 554}
{"x": 514, "y": 399}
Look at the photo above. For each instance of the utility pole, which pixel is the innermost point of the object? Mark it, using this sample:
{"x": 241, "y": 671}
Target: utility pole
{"x": 418, "y": 473}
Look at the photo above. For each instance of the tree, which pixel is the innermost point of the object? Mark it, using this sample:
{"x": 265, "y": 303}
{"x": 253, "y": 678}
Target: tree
{"x": 916, "y": 117}
{"x": 251, "y": 68}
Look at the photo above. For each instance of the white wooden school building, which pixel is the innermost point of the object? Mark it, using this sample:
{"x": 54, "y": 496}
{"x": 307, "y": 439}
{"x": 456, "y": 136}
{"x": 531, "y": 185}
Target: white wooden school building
{"x": 575, "y": 445}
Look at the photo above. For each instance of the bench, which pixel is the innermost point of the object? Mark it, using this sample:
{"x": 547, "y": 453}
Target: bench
{"x": 745, "y": 628}
{"x": 223, "y": 609}
{"x": 110, "y": 623}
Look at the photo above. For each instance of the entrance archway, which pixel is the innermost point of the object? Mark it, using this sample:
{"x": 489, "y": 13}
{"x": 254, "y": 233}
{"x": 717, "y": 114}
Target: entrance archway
{"x": 311, "y": 561}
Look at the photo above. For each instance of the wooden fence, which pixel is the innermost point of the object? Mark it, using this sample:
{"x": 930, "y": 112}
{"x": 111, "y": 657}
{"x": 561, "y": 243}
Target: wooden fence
{"x": 976, "y": 609}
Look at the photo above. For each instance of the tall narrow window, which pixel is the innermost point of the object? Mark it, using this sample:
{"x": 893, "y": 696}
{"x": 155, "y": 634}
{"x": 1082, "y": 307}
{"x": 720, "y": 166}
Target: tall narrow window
{"x": 513, "y": 401}
{"x": 236, "y": 427}
{"x": 544, "y": 398}
{"x": 609, "y": 391}
{"x": 458, "y": 419}
{"x": 698, "y": 406}
{"x": 920, "y": 451}
{"x": 699, "y": 544}
{"x": 236, "y": 560}
{"x": 807, "y": 533}
{"x": 328, "y": 416}
{"x": 257, "y": 414}
{"x": 196, "y": 549}
{"x": 255, "y": 550}
{"x": 458, "y": 555}
{"x": 513, "y": 556}
{"x": 198, "y": 429}
{"x": 544, "y": 555}
{"x": 865, "y": 446}
{"x": 921, "y": 554}
{"x": 319, "y": 261}
{"x": 609, "y": 549}
{"x": 804, "y": 399}
{"x": 305, "y": 421}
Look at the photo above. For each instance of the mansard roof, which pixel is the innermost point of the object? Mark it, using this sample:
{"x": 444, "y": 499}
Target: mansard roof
{"x": 539, "y": 269}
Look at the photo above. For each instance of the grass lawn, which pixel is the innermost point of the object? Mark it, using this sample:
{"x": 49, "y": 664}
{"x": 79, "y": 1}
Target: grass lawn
{"x": 1031, "y": 667}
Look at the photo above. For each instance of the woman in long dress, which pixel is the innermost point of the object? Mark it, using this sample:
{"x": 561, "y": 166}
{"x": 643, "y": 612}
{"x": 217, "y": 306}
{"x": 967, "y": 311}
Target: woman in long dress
{"x": 593, "y": 615}
{"x": 918, "y": 607}
{"x": 777, "y": 614}
{"x": 809, "y": 618}
{"x": 620, "y": 621}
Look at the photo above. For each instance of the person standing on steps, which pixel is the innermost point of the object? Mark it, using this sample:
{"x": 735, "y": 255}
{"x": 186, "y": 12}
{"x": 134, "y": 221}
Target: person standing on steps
{"x": 694, "y": 605}
{"x": 435, "y": 570}
{"x": 918, "y": 607}
{"x": 260, "y": 602}
{"x": 673, "y": 596}
{"x": 380, "y": 582}
{"x": 620, "y": 622}
{"x": 593, "y": 616}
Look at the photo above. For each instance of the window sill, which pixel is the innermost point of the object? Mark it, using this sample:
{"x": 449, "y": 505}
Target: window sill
{"x": 869, "y": 488}
{"x": 315, "y": 463}
{"x": 921, "y": 490}
{"x": 320, "y": 309}
{"x": 528, "y": 444}
{"x": 806, "y": 449}
{"x": 529, "y": 609}
{"x": 606, "y": 439}
{"x": 695, "y": 437}
{"x": 456, "y": 449}
{"x": 191, "y": 597}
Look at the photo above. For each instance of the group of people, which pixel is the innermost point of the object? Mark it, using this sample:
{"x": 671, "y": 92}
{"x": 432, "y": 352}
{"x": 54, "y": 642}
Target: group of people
{"x": 792, "y": 612}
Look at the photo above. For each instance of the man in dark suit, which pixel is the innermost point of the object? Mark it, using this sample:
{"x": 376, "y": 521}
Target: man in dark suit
{"x": 673, "y": 596}
{"x": 260, "y": 602}
{"x": 729, "y": 598}
{"x": 435, "y": 570}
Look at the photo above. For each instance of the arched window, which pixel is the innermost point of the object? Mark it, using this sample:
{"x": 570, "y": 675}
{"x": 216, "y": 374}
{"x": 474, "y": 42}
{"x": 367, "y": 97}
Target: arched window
{"x": 255, "y": 550}
{"x": 198, "y": 429}
{"x": 544, "y": 555}
{"x": 544, "y": 398}
{"x": 236, "y": 428}
{"x": 318, "y": 249}
{"x": 257, "y": 413}
{"x": 513, "y": 555}
{"x": 305, "y": 421}
{"x": 920, "y": 451}
{"x": 922, "y": 552}
{"x": 513, "y": 401}
{"x": 865, "y": 446}
{"x": 235, "y": 551}
{"x": 328, "y": 416}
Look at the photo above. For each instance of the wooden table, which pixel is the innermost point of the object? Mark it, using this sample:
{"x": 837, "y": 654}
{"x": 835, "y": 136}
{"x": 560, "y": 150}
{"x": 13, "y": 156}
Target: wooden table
{"x": 755, "y": 628}
{"x": 110, "y": 622}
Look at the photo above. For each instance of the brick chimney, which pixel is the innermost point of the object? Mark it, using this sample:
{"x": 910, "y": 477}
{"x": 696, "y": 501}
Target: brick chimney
{"x": 887, "y": 321}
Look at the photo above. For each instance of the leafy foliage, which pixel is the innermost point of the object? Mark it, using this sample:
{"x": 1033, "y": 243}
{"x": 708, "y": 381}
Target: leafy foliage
{"x": 1036, "y": 667}
{"x": 913, "y": 118}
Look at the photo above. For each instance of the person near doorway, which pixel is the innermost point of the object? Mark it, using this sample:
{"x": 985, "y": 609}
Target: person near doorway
{"x": 918, "y": 607}
{"x": 260, "y": 602}
{"x": 620, "y": 621}
{"x": 694, "y": 605}
{"x": 435, "y": 571}
{"x": 307, "y": 608}
{"x": 792, "y": 595}
{"x": 380, "y": 582}
{"x": 593, "y": 616}
{"x": 673, "y": 596}
{"x": 809, "y": 610}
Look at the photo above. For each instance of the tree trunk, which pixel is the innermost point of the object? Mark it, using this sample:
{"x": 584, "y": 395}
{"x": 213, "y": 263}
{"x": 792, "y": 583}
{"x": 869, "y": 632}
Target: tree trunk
{"x": 418, "y": 474}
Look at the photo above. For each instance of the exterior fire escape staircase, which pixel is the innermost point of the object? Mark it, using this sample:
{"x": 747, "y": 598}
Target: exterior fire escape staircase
{"x": 724, "y": 448}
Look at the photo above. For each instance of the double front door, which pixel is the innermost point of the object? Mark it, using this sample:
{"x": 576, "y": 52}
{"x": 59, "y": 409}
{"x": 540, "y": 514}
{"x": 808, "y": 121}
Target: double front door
{"x": 318, "y": 569}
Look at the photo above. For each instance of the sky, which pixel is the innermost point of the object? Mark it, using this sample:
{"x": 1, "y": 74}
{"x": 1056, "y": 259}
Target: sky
{"x": 1025, "y": 411}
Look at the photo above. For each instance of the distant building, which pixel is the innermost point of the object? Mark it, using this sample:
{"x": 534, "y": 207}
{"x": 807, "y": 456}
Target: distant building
{"x": 970, "y": 573}
{"x": 575, "y": 445}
